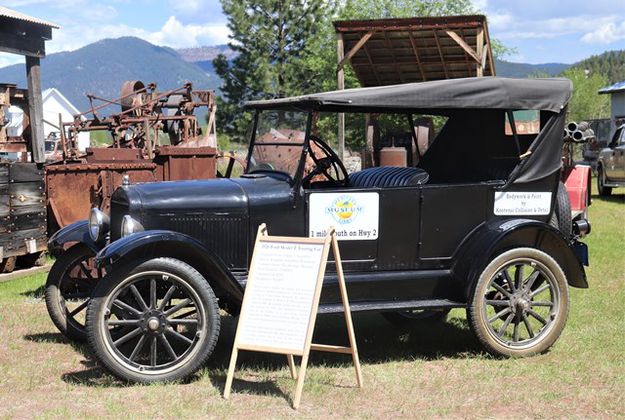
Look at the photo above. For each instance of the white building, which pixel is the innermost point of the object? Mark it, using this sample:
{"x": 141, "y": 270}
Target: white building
{"x": 54, "y": 103}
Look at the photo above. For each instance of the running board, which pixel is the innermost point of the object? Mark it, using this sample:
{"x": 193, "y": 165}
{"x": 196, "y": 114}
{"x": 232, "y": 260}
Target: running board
{"x": 393, "y": 306}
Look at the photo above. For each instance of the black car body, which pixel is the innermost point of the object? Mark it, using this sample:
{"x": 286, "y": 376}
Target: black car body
{"x": 413, "y": 240}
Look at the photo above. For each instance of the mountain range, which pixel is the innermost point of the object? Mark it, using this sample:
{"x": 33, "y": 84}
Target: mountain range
{"x": 101, "y": 68}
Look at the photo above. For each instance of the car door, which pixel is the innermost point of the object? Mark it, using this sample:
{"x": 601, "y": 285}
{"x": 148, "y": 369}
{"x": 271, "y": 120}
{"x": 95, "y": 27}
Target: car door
{"x": 377, "y": 228}
{"x": 614, "y": 159}
{"x": 619, "y": 157}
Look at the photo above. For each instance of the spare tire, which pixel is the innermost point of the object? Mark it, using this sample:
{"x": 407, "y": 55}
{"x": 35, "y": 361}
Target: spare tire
{"x": 561, "y": 216}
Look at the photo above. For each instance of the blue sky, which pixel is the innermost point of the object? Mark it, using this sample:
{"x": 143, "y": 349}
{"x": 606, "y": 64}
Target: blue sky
{"x": 540, "y": 30}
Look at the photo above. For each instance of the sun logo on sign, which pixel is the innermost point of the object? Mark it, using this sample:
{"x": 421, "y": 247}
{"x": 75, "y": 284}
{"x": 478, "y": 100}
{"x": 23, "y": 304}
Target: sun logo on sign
{"x": 344, "y": 209}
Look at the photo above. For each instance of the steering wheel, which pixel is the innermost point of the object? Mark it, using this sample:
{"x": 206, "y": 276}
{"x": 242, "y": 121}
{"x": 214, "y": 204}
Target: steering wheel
{"x": 329, "y": 165}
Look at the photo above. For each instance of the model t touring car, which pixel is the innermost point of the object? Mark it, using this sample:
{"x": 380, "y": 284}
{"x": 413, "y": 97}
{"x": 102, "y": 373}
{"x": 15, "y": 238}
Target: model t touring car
{"x": 473, "y": 224}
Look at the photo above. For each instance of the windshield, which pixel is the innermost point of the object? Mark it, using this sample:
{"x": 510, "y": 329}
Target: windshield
{"x": 278, "y": 142}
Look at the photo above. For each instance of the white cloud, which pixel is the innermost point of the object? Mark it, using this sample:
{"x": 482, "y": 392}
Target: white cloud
{"x": 10, "y": 59}
{"x": 606, "y": 33}
{"x": 172, "y": 34}
{"x": 177, "y": 35}
{"x": 508, "y": 27}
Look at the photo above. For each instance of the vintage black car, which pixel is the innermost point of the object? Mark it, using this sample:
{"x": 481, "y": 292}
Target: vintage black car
{"x": 473, "y": 225}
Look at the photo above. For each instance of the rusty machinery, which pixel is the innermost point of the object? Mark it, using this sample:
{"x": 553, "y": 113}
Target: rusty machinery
{"x": 22, "y": 192}
{"x": 156, "y": 136}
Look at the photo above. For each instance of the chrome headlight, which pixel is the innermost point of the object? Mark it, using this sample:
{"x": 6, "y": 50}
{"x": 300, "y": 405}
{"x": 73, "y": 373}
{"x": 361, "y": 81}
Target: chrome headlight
{"x": 130, "y": 226}
{"x": 98, "y": 224}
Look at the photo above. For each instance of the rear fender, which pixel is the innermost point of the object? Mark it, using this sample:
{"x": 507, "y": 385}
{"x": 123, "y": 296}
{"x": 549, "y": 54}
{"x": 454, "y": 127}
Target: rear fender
{"x": 491, "y": 239}
{"x": 163, "y": 243}
{"x": 75, "y": 232}
{"x": 578, "y": 185}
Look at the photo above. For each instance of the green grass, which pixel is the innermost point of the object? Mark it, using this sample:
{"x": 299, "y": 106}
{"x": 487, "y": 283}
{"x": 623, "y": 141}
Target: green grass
{"x": 421, "y": 371}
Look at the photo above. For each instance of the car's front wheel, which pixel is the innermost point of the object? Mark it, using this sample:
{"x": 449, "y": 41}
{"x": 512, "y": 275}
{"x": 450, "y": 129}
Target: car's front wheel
{"x": 520, "y": 303}
{"x": 601, "y": 188}
{"x": 70, "y": 282}
{"x": 153, "y": 321}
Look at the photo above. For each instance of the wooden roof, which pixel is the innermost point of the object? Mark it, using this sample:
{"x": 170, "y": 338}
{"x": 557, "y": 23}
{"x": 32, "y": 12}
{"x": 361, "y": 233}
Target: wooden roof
{"x": 395, "y": 51}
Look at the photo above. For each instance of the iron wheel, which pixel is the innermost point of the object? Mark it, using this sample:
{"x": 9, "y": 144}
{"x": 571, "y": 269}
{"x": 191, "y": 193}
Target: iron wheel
{"x": 153, "y": 321}
{"x": 520, "y": 303}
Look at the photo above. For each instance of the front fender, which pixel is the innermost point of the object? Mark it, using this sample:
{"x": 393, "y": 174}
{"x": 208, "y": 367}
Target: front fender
{"x": 164, "y": 243}
{"x": 491, "y": 239}
{"x": 75, "y": 232}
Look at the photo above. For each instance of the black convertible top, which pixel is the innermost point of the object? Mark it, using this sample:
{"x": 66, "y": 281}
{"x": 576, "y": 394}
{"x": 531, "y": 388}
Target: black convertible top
{"x": 467, "y": 93}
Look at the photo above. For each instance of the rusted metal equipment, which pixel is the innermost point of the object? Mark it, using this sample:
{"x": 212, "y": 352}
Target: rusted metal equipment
{"x": 22, "y": 191}
{"x": 156, "y": 136}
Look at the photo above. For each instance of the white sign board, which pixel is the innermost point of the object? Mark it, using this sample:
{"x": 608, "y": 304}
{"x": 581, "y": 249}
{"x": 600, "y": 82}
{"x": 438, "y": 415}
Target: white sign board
{"x": 355, "y": 216}
{"x": 512, "y": 203}
{"x": 279, "y": 295}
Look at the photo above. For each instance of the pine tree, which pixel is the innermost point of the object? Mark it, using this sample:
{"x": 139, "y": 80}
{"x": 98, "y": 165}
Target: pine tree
{"x": 271, "y": 39}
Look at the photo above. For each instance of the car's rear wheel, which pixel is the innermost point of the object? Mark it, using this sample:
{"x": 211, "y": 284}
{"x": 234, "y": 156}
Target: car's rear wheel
{"x": 520, "y": 303}
{"x": 70, "y": 282}
{"x": 562, "y": 211}
{"x": 153, "y": 321}
{"x": 601, "y": 188}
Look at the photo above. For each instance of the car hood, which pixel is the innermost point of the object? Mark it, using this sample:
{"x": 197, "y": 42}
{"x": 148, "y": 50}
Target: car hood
{"x": 212, "y": 195}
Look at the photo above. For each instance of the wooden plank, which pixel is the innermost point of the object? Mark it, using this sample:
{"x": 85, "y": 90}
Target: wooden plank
{"x": 466, "y": 56}
{"x": 480, "y": 48}
{"x": 331, "y": 349}
{"x": 35, "y": 106}
{"x": 390, "y": 49}
{"x": 21, "y": 45}
{"x": 440, "y": 53}
{"x": 416, "y": 54}
{"x": 348, "y": 314}
{"x": 354, "y": 49}
{"x": 466, "y": 47}
{"x": 340, "y": 78}
{"x": 27, "y": 194}
{"x": 375, "y": 73}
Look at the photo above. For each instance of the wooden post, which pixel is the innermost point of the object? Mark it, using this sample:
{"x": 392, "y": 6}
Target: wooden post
{"x": 479, "y": 40}
{"x": 35, "y": 108}
{"x": 340, "y": 76}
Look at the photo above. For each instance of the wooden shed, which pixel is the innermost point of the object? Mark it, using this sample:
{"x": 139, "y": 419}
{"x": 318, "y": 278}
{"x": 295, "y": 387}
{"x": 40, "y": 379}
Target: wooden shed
{"x": 407, "y": 50}
{"x": 25, "y": 35}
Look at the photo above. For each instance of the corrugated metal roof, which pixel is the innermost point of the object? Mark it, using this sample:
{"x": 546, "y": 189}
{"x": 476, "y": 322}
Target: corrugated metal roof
{"x": 14, "y": 14}
{"x": 616, "y": 87}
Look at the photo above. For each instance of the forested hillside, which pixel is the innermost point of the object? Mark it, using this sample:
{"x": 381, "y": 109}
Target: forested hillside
{"x": 611, "y": 64}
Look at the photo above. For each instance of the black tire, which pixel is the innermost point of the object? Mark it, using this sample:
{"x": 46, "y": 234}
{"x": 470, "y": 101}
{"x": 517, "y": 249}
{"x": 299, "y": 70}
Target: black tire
{"x": 70, "y": 283}
{"x": 518, "y": 316}
{"x": 406, "y": 318}
{"x": 120, "y": 323}
{"x": 602, "y": 189}
{"x": 36, "y": 259}
{"x": 563, "y": 211}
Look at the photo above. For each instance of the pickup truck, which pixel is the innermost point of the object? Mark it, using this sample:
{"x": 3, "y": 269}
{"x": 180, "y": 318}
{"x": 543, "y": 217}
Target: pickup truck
{"x": 611, "y": 164}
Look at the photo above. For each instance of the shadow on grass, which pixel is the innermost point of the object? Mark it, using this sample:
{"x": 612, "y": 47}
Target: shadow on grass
{"x": 378, "y": 342}
{"x": 614, "y": 198}
{"x": 37, "y": 293}
{"x": 91, "y": 374}
{"x": 241, "y": 386}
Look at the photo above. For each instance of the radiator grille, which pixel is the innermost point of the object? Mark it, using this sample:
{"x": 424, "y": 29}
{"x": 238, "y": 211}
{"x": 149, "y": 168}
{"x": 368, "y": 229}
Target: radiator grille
{"x": 225, "y": 236}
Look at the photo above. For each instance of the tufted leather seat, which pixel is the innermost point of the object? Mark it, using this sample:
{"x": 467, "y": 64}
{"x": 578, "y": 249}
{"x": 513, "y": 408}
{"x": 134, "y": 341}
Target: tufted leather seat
{"x": 388, "y": 176}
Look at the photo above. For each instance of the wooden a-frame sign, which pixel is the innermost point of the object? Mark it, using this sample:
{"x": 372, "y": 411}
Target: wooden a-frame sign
{"x": 281, "y": 300}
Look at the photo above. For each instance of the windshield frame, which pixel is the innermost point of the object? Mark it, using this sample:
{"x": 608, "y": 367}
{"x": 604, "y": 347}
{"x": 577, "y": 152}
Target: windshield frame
{"x": 296, "y": 178}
